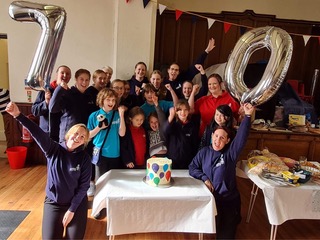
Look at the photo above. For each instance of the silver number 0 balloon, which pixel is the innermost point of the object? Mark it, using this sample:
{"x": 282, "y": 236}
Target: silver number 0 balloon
{"x": 52, "y": 20}
{"x": 279, "y": 43}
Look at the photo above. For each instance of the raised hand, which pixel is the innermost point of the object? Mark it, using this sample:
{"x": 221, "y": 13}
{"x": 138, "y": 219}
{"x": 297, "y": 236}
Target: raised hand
{"x": 137, "y": 90}
{"x": 211, "y": 45}
{"x": 155, "y": 99}
{"x": 168, "y": 86}
{"x": 172, "y": 114}
{"x": 121, "y": 110}
{"x": 195, "y": 89}
{"x": 248, "y": 108}
{"x": 13, "y": 109}
{"x": 199, "y": 67}
{"x": 47, "y": 96}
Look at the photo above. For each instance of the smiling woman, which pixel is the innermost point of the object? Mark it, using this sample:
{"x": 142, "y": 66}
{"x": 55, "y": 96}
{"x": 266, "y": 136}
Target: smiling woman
{"x": 69, "y": 173}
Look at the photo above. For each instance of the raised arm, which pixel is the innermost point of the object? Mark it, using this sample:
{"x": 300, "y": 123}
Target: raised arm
{"x": 42, "y": 138}
{"x": 40, "y": 107}
{"x": 122, "y": 128}
{"x": 204, "y": 82}
{"x": 192, "y": 71}
{"x": 173, "y": 94}
{"x": 191, "y": 100}
{"x": 56, "y": 103}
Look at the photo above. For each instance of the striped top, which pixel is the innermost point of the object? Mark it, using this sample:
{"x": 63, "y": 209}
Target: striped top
{"x": 4, "y": 99}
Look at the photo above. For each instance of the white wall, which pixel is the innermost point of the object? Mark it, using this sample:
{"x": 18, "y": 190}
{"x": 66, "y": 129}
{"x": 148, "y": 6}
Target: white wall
{"x": 97, "y": 33}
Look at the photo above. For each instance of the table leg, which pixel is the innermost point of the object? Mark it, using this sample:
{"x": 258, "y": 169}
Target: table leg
{"x": 200, "y": 236}
{"x": 111, "y": 237}
{"x": 254, "y": 193}
{"x": 273, "y": 232}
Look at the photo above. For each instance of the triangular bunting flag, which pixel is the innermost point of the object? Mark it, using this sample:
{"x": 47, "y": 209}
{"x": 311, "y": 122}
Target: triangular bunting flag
{"x": 210, "y": 22}
{"x": 145, "y": 3}
{"x": 178, "y": 14}
{"x": 226, "y": 26}
{"x": 243, "y": 30}
{"x": 306, "y": 39}
{"x": 161, "y": 8}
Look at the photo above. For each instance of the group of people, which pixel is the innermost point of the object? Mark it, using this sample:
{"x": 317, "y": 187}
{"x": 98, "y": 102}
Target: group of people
{"x": 130, "y": 121}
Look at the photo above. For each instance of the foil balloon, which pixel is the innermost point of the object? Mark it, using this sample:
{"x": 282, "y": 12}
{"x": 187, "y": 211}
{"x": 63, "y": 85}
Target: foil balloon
{"x": 275, "y": 40}
{"x": 52, "y": 20}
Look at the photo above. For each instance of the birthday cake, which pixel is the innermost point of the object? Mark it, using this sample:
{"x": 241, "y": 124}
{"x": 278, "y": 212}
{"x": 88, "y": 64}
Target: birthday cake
{"x": 158, "y": 172}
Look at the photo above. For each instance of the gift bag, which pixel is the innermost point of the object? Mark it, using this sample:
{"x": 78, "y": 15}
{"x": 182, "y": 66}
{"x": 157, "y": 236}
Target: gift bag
{"x": 95, "y": 155}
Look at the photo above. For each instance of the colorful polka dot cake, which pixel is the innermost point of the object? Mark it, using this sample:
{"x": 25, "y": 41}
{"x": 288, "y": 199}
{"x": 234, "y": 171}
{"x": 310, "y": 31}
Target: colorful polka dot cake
{"x": 158, "y": 171}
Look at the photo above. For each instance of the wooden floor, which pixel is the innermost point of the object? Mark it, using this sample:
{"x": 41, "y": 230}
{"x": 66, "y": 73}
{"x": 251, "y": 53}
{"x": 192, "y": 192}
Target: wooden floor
{"x": 23, "y": 189}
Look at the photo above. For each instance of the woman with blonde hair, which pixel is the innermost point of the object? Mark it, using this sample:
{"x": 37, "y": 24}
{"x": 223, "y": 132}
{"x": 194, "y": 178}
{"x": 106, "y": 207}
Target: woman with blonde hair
{"x": 68, "y": 179}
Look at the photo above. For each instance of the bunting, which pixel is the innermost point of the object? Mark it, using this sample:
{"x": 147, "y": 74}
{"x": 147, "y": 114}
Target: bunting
{"x": 226, "y": 25}
{"x": 243, "y": 30}
{"x": 306, "y": 39}
{"x": 145, "y": 3}
{"x": 127, "y": 1}
{"x": 161, "y": 8}
{"x": 178, "y": 14}
{"x": 194, "y": 19}
{"x": 210, "y": 22}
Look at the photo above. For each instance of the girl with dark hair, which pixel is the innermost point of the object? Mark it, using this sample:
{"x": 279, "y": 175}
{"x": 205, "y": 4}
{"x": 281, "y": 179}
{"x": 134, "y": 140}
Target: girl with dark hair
{"x": 134, "y": 145}
{"x": 222, "y": 117}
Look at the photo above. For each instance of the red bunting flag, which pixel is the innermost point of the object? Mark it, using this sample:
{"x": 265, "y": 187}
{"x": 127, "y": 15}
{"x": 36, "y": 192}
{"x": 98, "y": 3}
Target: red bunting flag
{"x": 127, "y": 1}
{"x": 178, "y": 14}
{"x": 226, "y": 26}
{"x": 145, "y": 3}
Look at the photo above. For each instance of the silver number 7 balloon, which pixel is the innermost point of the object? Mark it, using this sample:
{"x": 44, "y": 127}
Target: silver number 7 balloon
{"x": 52, "y": 20}
{"x": 279, "y": 43}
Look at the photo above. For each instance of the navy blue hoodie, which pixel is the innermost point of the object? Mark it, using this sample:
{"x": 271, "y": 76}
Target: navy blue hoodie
{"x": 69, "y": 173}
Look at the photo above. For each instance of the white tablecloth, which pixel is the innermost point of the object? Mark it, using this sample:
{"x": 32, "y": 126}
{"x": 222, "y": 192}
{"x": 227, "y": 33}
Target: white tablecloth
{"x": 286, "y": 202}
{"x": 133, "y": 206}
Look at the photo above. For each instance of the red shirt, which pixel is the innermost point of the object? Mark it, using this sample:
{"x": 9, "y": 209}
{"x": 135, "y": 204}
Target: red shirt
{"x": 140, "y": 144}
{"x": 206, "y": 106}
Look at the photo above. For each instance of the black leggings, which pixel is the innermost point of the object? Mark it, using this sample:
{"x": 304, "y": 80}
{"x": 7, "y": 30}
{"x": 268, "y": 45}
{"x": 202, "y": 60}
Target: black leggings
{"x": 53, "y": 213}
{"x": 228, "y": 217}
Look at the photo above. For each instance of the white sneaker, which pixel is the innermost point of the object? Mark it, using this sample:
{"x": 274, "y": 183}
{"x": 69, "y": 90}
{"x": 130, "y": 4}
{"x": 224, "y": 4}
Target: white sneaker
{"x": 91, "y": 190}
